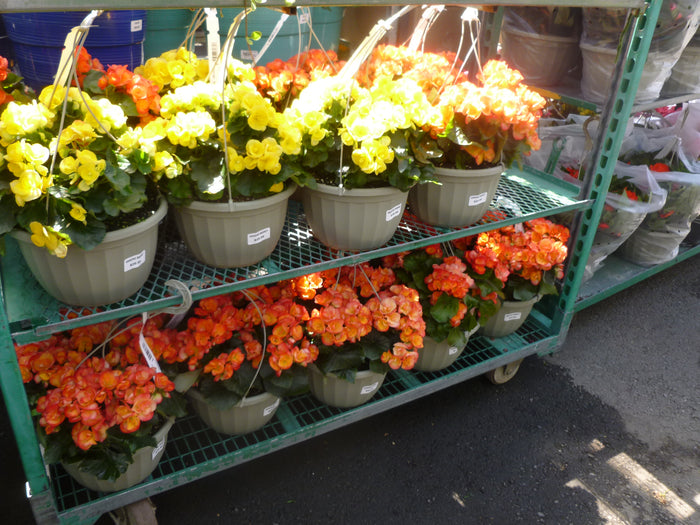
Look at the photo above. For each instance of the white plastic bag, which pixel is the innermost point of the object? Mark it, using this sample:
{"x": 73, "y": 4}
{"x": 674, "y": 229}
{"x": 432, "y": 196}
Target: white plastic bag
{"x": 624, "y": 212}
{"x": 658, "y": 238}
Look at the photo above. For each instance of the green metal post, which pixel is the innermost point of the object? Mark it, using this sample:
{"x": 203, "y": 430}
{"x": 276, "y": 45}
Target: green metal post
{"x": 614, "y": 118}
{"x": 21, "y": 420}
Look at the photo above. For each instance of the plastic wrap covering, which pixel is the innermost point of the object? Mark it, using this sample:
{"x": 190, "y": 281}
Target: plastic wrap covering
{"x": 685, "y": 77}
{"x": 542, "y": 43}
{"x": 624, "y": 212}
{"x": 677, "y": 24}
{"x": 658, "y": 238}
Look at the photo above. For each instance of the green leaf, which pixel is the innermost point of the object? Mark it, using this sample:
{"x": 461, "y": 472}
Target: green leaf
{"x": 86, "y": 236}
{"x": 445, "y": 308}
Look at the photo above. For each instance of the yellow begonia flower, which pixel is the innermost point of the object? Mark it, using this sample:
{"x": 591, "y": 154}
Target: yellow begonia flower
{"x": 254, "y": 149}
{"x": 89, "y": 168}
{"x": 78, "y": 212}
{"x": 276, "y": 188}
{"x": 236, "y": 162}
{"x": 27, "y": 187}
{"x": 260, "y": 117}
{"x": 19, "y": 120}
{"x": 43, "y": 237}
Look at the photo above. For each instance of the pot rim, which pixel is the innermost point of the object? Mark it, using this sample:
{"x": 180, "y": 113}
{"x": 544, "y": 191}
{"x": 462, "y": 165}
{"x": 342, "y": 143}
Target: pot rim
{"x": 359, "y": 192}
{"x": 116, "y": 235}
{"x": 241, "y": 205}
{"x": 246, "y": 401}
{"x": 537, "y": 36}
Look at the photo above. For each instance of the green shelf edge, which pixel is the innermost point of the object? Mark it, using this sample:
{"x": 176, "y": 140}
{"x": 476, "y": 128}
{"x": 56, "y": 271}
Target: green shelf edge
{"x": 617, "y": 274}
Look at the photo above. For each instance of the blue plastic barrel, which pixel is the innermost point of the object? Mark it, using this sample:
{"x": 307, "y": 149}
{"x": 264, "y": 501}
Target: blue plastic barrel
{"x": 37, "y": 39}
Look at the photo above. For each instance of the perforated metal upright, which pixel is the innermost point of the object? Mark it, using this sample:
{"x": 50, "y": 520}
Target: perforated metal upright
{"x": 194, "y": 451}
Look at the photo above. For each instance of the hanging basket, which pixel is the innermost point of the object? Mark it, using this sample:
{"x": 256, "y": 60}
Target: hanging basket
{"x": 509, "y": 318}
{"x": 337, "y": 392}
{"x": 353, "y": 220}
{"x": 112, "y": 271}
{"x": 233, "y": 235}
{"x": 529, "y": 52}
{"x": 248, "y": 415}
{"x": 145, "y": 462}
{"x": 461, "y": 198}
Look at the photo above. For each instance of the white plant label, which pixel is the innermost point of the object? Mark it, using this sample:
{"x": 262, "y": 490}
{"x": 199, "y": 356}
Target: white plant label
{"x": 393, "y": 212}
{"x": 513, "y": 316}
{"x": 157, "y": 450}
{"x": 136, "y": 25}
{"x": 369, "y": 388}
{"x": 148, "y": 353}
{"x": 249, "y": 55}
{"x": 269, "y": 410}
{"x": 452, "y": 350}
{"x": 475, "y": 200}
{"x": 258, "y": 237}
{"x": 304, "y": 18}
{"x": 133, "y": 262}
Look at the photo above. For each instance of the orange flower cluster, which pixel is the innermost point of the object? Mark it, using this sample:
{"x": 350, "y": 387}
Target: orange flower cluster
{"x": 5, "y": 97}
{"x": 281, "y": 80}
{"x": 341, "y": 317}
{"x": 528, "y": 251}
{"x": 85, "y": 64}
{"x": 399, "y": 308}
{"x": 498, "y": 110}
{"x": 143, "y": 92}
{"x": 89, "y": 392}
{"x": 432, "y": 71}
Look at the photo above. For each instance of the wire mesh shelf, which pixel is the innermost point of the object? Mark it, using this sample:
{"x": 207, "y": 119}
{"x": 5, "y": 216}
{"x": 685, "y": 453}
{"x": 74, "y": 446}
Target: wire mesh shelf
{"x": 34, "y": 315}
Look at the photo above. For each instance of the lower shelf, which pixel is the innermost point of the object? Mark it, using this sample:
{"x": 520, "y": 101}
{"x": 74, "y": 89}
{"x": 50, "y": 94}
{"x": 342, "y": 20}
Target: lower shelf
{"x": 616, "y": 274}
{"x": 194, "y": 451}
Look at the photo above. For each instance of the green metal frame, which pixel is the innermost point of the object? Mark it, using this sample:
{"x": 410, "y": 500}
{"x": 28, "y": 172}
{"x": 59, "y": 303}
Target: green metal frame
{"x": 194, "y": 451}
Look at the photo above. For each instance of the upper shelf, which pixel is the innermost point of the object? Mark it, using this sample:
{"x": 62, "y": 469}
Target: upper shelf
{"x": 34, "y": 315}
{"x": 82, "y": 5}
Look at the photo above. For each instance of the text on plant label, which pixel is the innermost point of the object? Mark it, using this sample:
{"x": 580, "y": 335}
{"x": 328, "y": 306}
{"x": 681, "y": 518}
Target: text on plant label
{"x": 368, "y": 389}
{"x": 452, "y": 350}
{"x": 136, "y": 25}
{"x": 394, "y": 212}
{"x": 133, "y": 262}
{"x": 475, "y": 200}
{"x": 156, "y": 451}
{"x": 258, "y": 237}
{"x": 512, "y": 316}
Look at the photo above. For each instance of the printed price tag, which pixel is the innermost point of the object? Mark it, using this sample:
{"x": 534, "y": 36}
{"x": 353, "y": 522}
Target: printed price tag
{"x": 369, "y": 388}
{"x": 133, "y": 262}
{"x": 269, "y": 410}
{"x": 452, "y": 350}
{"x": 512, "y": 317}
{"x": 136, "y": 25}
{"x": 475, "y": 200}
{"x": 156, "y": 451}
{"x": 393, "y": 212}
{"x": 258, "y": 237}
{"x": 148, "y": 353}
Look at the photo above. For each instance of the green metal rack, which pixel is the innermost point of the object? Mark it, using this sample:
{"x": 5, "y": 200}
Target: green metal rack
{"x": 194, "y": 451}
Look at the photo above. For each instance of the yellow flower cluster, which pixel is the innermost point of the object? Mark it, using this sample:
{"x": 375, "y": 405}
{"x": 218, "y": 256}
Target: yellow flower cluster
{"x": 83, "y": 168}
{"x": 194, "y": 97}
{"x": 25, "y": 161}
{"x": 261, "y": 155}
{"x": 47, "y": 238}
{"x": 174, "y": 68}
{"x": 185, "y": 129}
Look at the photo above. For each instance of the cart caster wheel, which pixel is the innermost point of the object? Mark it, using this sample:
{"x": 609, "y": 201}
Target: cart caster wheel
{"x": 142, "y": 512}
{"x": 505, "y": 373}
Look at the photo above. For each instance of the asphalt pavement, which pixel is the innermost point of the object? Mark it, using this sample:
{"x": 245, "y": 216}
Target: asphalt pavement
{"x": 605, "y": 431}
